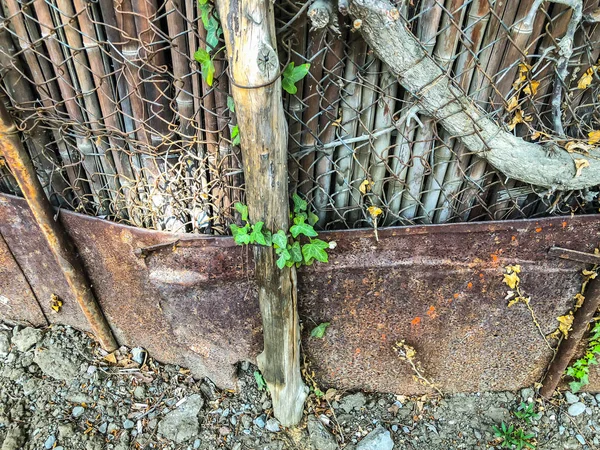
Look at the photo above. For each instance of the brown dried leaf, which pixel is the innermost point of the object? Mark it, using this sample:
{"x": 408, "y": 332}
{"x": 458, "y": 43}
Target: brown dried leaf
{"x": 594, "y": 137}
{"x": 365, "y": 187}
{"x": 565, "y": 323}
{"x": 581, "y": 164}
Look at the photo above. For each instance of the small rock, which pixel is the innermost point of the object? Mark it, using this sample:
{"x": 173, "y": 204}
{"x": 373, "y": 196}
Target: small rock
{"x": 4, "y": 345}
{"x": 102, "y": 428}
{"x": 260, "y": 421}
{"x": 49, "y": 442}
{"x": 246, "y": 421}
{"x": 58, "y": 363}
{"x": 527, "y": 393}
{"x": 354, "y": 401}
{"x": 576, "y": 409}
{"x": 571, "y": 398}
{"x": 394, "y": 428}
{"x": 139, "y": 393}
{"x": 128, "y": 424}
{"x": 378, "y": 439}
{"x": 580, "y": 439}
{"x": 182, "y": 423}
{"x": 78, "y": 411}
{"x": 26, "y": 338}
{"x": 197, "y": 443}
{"x": 272, "y": 425}
{"x": 598, "y": 398}
{"x": 66, "y": 430}
{"x": 320, "y": 437}
{"x": 138, "y": 354}
{"x": 112, "y": 427}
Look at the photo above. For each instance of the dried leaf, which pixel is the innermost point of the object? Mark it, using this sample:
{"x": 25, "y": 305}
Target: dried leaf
{"x": 365, "y": 187}
{"x": 581, "y": 164}
{"x": 374, "y": 211}
{"x": 511, "y": 280}
{"x": 591, "y": 274}
{"x": 574, "y": 146}
{"x": 513, "y": 268}
{"x": 55, "y": 303}
{"x": 531, "y": 88}
{"x": 586, "y": 79}
{"x": 594, "y": 137}
{"x": 579, "y": 299}
{"x": 512, "y": 103}
{"x": 565, "y": 323}
{"x": 111, "y": 358}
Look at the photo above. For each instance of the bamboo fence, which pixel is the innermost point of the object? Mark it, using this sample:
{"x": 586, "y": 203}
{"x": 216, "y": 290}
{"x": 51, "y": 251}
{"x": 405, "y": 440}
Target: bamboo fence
{"x": 120, "y": 123}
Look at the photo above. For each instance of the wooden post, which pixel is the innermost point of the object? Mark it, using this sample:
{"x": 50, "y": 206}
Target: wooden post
{"x": 249, "y": 32}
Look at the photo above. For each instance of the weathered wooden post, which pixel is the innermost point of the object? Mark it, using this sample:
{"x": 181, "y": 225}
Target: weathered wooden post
{"x": 249, "y": 32}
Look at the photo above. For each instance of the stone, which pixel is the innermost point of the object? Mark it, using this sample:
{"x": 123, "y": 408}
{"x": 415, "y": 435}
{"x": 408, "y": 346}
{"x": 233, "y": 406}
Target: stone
{"x": 4, "y": 344}
{"x": 102, "y": 428}
{"x": 78, "y": 411}
{"x": 197, "y": 443}
{"x": 320, "y": 437}
{"x": 66, "y": 430}
{"x": 576, "y": 409}
{"x": 272, "y": 425}
{"x": 580, "y": 439}
{"x": 128, "y": 424}
{"x": 354, "y": 401}
{"x": 14, "y": 439}
{"x": 139, "y": 393}
{"x": 378, "y": 439}
{"x": 31, "y": 386}
{"x": 527, "y": 393}
{"x": 571, "y": 398}
{"x": 138, "y": 354}
{"x": 496, "y": 414}
{"x": 182, "y": 423}
{"x": 25, "y": 339}
{"x": 260, "y": 421}
{"x": 49, "y": 442}
{"x": 58, "y": 363}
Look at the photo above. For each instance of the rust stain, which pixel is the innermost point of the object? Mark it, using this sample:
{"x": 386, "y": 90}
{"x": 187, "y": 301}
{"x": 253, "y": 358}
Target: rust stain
{"x": 431, "y": 312}
{"x": 416, "y": 321}
{"x": 538, "y": 230}
{"x": 469, "y": 285}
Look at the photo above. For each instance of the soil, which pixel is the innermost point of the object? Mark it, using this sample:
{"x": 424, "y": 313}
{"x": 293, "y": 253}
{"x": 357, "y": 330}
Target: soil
{"x": 59, "y": 391}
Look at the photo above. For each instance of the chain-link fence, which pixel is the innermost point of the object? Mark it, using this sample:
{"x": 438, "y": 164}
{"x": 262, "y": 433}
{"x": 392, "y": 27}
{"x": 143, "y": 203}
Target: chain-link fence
{"x": 121, "y": 124}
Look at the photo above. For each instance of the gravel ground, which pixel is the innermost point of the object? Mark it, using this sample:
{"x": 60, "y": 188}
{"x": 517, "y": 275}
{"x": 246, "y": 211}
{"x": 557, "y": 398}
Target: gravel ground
{"x": 59, "y": 391}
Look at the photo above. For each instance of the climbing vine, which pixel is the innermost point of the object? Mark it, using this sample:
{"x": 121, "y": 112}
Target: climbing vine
{"x": 299, "y": 245}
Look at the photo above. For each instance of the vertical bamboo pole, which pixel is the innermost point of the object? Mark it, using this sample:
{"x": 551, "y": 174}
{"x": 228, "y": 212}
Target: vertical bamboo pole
{"x": 249, "y": 32}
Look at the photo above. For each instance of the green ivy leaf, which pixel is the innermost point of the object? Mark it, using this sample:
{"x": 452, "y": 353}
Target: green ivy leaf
{"x": 243, "y": 210}
{"x": 206, "y": 65}
{"x": 284, "y": 257}
{"x": 312, "y": 218}
{"x": 295, "y": 252}
{"x": 257, "y": 235}
{"x": 300, "y": 204}
{"x": 213, "y": 31}
{"x": 319, "y": 331}
{"x": 235, "y": 135}
{"x": 314, "y": 251}
{"x": 302, "y": 228}
{"x": 230, "y": 104}
{"x": 280, "y": 239}
{"x": 289, "y": 86}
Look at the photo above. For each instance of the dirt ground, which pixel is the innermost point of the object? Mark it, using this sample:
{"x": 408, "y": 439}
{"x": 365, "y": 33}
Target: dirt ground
{"x": 59, "y": 391}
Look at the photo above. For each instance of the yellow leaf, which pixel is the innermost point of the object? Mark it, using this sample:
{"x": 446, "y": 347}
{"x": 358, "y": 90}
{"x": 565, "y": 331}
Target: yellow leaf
{"x": 565, "y": 323}
{"x": 531, "y": 88}
{"x": 574, "y": 146}
{"x": 512, "y": 103}
{"x": 579, "y": 299}
{"x": 518, "y": 118}
{"x": 513, "y": 302}
{"x": 589, "y": 274}
{"x": 365, "y": 187}
{"x": 581, "y": 164}
{"x": 513, "y": 268}
{"x": 374, "y": 211}
{"x": 586, "y": 79}
{"x": 55, "y": 303}
{"x": 111, "y": 358}
{"x": 594, "y": 137}
{"x": 512, "y": 280}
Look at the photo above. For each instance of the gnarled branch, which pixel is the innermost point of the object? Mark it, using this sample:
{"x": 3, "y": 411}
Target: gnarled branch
{"x": 386, "y": 33}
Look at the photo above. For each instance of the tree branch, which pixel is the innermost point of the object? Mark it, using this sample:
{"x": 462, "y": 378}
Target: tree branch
{"x": 386, "y": 33}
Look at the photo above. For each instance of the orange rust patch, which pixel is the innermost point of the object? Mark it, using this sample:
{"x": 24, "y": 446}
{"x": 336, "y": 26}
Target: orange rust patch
{"x": 456, "y": 295}
{"x": 469, "y": 285}
{"x": 416, "y": 321}
{"x": 538, "y": 229}
{"x": 431, "y": 312}
{"x": 513, "y": 238}
{"x": 564, "y": 224}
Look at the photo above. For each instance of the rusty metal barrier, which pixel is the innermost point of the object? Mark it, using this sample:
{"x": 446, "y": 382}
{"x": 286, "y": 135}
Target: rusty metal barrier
{"x": 56, "y": 238}
{"x": 191, "y": 300}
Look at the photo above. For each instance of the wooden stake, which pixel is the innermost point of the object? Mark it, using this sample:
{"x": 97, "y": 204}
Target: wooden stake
{"x": 249, "y": 32}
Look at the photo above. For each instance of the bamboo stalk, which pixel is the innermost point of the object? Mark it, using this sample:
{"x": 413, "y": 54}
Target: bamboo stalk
{"x": 350, "y": 104}
{"x": 362, "y": 152}
{"x": 333, "y": 68}
{"x": 311, "y": 98}
{"x": 86, "y": 148}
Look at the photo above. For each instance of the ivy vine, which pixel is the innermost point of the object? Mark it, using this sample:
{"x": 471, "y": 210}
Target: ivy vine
{"x": 297, "y": 246}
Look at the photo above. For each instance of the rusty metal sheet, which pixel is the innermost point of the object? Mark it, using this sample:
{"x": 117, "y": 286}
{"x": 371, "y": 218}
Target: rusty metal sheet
{"x": 190, "y": 299}
{"x": 17, "y": 302}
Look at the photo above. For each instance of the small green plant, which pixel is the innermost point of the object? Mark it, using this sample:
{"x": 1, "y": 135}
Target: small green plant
{"x": 512, "y": 437}
{"x": 288, "y": 247}
{"x": 526, "y": 412}
{"x": 260, "y": 381}
{"x": 205, "y": 56}
{"x": 319, "y": 331}
{"x": 291, "y": 75}
{"x": 580, "y": 369}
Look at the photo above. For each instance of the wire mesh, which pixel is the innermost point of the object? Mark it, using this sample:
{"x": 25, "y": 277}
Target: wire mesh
{"x": 120, "y": 123}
